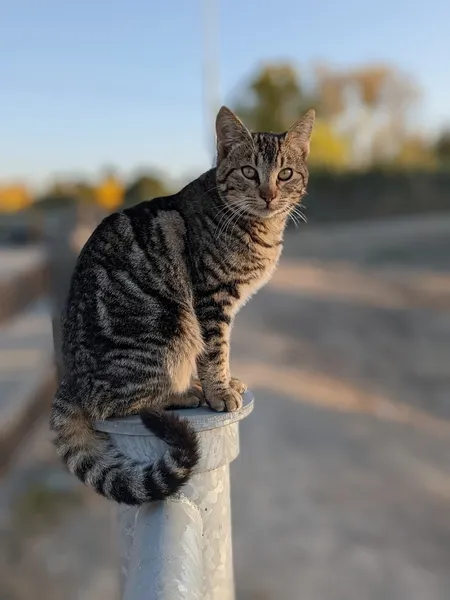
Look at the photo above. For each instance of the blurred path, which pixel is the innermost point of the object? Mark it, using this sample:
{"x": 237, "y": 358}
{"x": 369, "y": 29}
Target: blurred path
{"x": 342, "y": 488}
{"x": 56, "y": 536}
{"x": 23, "y": 277}
{"x": 420, "y": 241}
{"x": 339, "y": 506}
{"x": 26, "y": 374}
{"x": 26, "y": 370}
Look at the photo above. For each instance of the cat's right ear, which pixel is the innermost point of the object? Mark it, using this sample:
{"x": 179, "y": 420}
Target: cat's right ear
{"x": 230, "y": 132}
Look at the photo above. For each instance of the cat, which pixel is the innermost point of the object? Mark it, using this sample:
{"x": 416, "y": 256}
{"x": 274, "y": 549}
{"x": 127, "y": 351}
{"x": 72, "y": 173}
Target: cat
{"x": 152, "y": 300}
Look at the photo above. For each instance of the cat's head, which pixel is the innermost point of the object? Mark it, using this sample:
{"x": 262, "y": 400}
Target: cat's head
{"x": 262, "y": 174}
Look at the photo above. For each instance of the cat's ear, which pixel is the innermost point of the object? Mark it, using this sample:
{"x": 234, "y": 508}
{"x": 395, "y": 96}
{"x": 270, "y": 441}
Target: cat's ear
{"x": 299, "y": 135}
{"x": 230, "y": 131}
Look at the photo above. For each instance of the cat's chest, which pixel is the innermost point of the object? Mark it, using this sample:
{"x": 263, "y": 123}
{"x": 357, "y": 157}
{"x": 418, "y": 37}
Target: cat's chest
{"x": 257, "y": 275}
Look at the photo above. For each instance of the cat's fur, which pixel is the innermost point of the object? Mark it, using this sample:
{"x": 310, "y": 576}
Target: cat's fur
{"x": 152, "y": 299}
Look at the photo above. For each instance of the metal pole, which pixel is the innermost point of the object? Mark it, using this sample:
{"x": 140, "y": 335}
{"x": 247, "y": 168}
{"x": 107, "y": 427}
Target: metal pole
{"x": 181, "y": 549}
{"x": 211, "y": 93}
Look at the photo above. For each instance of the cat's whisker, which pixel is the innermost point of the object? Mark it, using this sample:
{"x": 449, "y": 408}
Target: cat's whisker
{"x": 297, "y": 211}
{"x": 208, "y": 191}
{"x": 223, "y": 219}
{"x": 238, "y": 214}
{"x": 294, "y": 220}
{"x": 238, "y": 210}
{"x": 224, "y": 209}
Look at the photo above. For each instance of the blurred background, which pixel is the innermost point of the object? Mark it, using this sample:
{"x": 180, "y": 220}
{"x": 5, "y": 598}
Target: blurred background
{"x": 342, "y": 487}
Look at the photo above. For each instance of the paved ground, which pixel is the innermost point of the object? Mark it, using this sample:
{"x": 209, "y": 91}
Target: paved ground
{"x": 26, "y": 373}
{"x": 56, "y": 537}
{"x": 23, "y": 278}
{"x": 339, "y": 506}
{"x": 15, "y": 261}
{"x": 342, "y": 487}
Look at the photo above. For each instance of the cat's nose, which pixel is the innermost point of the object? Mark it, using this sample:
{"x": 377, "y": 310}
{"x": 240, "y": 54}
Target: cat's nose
{"x": 267, "y": 194}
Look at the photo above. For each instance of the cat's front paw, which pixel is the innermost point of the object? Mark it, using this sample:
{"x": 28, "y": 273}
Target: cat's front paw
{"x": 235, "y": 384}
{"x": 238, "y": 385}
{"x": 224, "y": 400}
{"x": 191, "y": 398}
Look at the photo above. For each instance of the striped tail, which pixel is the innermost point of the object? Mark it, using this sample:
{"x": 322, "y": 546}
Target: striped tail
{"x": 93, "y": 458}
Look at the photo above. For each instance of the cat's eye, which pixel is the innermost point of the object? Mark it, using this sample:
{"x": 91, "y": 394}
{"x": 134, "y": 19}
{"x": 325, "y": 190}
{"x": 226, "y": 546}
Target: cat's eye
{"x": 285, "y": 174}
{"x": 249, "y": 172}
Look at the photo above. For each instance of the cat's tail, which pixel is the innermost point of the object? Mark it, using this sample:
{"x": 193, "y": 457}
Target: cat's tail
{"x": 96, "y": 461}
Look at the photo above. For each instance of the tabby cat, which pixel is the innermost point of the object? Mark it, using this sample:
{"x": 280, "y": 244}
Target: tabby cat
{"x": 152, "y": 301}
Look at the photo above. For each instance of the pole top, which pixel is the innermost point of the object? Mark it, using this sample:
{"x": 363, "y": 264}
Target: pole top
{"x": 201, "y": 419}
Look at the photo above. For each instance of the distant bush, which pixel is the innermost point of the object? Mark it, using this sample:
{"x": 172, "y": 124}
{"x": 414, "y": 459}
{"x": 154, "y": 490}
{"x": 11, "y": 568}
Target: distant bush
{"x": 375, "y": 194}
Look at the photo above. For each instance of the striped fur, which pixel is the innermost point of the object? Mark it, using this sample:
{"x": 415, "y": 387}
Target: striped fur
{"x": 91, "y": 456}
{"x": 152, "y": 301}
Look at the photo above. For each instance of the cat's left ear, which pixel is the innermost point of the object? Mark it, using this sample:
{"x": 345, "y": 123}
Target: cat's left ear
{"x": 230, "y": 132}
{"x": 299, "y": 135}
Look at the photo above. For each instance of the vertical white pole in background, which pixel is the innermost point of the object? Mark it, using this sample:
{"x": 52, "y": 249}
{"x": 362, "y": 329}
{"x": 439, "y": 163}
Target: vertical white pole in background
{"x": 211, "y": 91}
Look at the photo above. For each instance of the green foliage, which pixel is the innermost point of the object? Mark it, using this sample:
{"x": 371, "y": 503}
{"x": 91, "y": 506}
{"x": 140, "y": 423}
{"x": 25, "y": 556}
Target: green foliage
{"x": 415, "y": 154}
{"x": 273, "y": 99}
{"x": 329, "y": 151}
{"x": 363, "y": 114}
{"x": 442, "y": 149}
{"x": 375, "y": 193}
{"x": 84, "y": 192}
{"x": 58, "y": 196}
{"x": 144, "y": 188}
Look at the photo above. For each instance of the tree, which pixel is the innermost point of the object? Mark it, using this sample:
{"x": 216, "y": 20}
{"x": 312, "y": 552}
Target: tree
{"x": 273, "y": 99}
{"x": 144, "y": 188}
{"x": 58, "y": 196}
{"x": 84, "y": 192}
{"x": 329, "y": 151}
{"x": 415, "y": 153}
{"x": 442, "y": 149}
{"x": 364, "y": 113}
{"x": 371, "y": 104}
{"x": 329, "y": 90}
{"x": 14, "y": 198}
{"x": 110, "y": 193}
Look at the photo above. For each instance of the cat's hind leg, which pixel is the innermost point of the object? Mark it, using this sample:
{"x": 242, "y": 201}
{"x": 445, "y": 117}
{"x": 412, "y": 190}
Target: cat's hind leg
{"x": 181, "y": 355}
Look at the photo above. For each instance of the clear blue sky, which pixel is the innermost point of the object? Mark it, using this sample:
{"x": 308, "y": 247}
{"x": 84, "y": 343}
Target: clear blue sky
{"x": 89, "y": 83}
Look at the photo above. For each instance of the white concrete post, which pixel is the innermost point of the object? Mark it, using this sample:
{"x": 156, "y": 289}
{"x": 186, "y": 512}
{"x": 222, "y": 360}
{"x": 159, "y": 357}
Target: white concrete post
{"x": 180, "y": 549}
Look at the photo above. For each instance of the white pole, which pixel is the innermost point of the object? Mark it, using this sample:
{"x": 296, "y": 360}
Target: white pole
{"x": 211, "y": 91}
{"x": 181, "y": 549}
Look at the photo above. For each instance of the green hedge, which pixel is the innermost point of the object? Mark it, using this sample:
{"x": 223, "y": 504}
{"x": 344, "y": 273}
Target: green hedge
{"x": 375, "y": 194}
